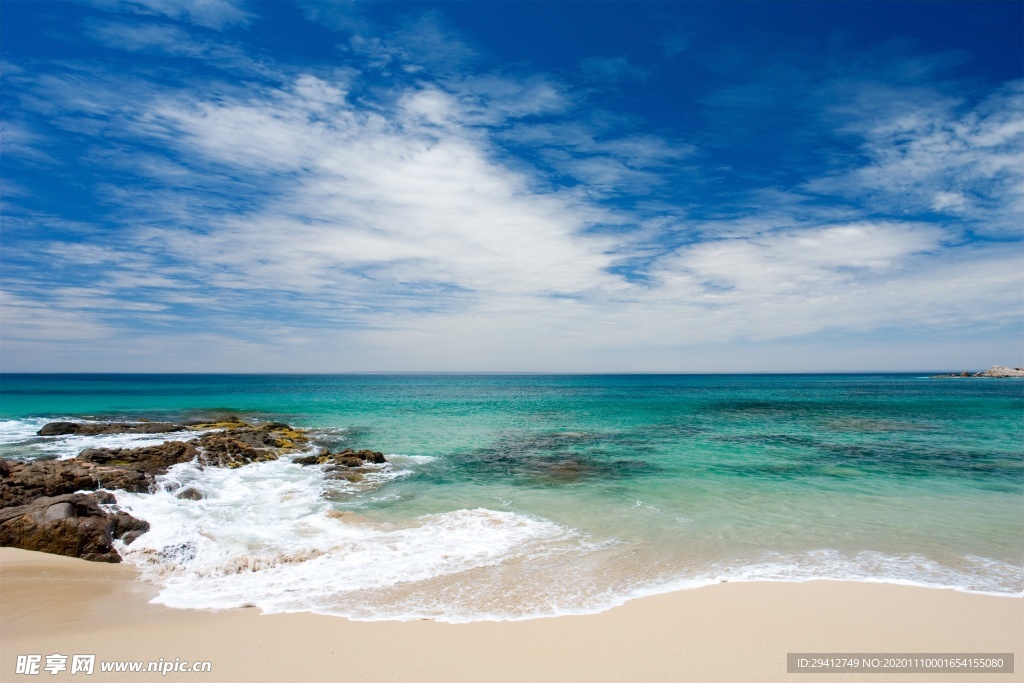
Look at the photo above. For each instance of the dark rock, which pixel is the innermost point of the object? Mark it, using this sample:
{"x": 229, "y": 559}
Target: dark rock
{"x": 344, "y": 458}
{"x": 127, "y": 469}
{"x": 73, "y": 525}
{"x": 224, "y": 450}
{"x": 128, "y": 528}
{"x": 104, "y": 497}
{"x": 59, "y": 428}
{"x": 148, "y": 459}
{"x": 23, "y": 482}
{"x": 189, "y": 494}
{"x": 94, "y": 428}
{"x": 371, "y": 456}
{"x": 40, "y": 509}
{"x": 237, "y": 446}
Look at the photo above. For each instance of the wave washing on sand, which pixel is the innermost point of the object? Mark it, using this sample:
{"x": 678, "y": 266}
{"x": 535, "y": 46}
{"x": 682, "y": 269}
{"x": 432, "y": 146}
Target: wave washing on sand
{"x": 269, "y": 535}
{"x": 285, "y": 538}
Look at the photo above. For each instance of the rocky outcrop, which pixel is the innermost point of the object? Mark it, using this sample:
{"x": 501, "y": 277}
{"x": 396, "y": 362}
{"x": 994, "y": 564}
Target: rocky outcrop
{"x": 345, "y": 458}
{"x": 994, "y": 371}
{"x": 347, "y": 464}
{"x": 127, "y": 469}
{"x": 21, "y": 482}
{"x": 148, "y": 459}
{"x": 143, "y": 427}
{"x": 96, "y": 428}
{"x": 1000, "y": 371}
{"x": 42, "y": 506}
{"x": 74, "y": 525}
{"x": 241, "y": 445}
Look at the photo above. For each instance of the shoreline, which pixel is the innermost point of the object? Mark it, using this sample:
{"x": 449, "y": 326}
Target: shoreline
{"x": 724, "y": 632}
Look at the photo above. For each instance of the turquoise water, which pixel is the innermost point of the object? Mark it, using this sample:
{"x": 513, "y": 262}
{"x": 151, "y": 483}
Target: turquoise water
{"x": 552, "y": 494}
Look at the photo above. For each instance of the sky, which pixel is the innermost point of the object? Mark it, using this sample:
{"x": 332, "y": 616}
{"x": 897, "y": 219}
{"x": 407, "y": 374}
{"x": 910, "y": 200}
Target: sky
{"x": 319, "y": 187}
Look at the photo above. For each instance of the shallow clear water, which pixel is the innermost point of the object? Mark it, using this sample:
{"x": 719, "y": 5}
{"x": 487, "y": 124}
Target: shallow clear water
{"x": 518, "y": 496}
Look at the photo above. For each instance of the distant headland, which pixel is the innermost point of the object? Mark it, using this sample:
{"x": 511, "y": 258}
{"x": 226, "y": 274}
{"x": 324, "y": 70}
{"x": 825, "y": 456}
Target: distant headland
{"x": 994, "y": 371}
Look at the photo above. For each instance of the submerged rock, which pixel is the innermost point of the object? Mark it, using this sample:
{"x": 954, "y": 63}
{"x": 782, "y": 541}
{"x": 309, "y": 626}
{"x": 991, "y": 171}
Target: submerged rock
{"x": 189, "y": 494}
{"x": 73, "y": 525}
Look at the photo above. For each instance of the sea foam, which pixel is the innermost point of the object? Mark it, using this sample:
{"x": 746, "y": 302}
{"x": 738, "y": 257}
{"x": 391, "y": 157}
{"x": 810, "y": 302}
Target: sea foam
{"x": 265, "y": 535}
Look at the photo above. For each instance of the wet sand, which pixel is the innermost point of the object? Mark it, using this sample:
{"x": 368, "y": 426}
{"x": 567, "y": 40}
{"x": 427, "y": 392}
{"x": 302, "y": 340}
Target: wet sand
{"x": 727, "y": 632}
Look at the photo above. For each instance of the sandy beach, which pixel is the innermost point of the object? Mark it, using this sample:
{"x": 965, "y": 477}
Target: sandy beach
{"x": 727, "y": 632}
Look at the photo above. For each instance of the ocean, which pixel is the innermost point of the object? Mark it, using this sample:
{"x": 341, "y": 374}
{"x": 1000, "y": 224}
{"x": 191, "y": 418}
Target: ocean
{"x": 520, "y": 496}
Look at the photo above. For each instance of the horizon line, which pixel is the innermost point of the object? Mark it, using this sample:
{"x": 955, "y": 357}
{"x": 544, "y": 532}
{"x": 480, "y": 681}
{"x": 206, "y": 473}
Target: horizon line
{"x": 505, "y": 372}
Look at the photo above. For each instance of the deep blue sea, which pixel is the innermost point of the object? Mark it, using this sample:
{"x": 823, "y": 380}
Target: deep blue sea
{"x": 517, "y": 496}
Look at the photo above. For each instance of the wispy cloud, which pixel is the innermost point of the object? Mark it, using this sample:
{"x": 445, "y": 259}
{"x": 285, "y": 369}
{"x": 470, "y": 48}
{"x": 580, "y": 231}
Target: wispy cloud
{"x": 935, "y": 154}
{"x": 613, "y": 69}
{"x": 214, "y": 14}
{"x": 422, "y": 211}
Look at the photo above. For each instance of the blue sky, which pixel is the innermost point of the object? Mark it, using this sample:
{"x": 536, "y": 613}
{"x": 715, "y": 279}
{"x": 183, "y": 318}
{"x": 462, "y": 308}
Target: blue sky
{"x": 219, "y": 185}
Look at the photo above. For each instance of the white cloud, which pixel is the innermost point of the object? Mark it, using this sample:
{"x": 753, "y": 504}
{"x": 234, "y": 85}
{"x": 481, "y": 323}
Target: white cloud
{"x": 291, "y": 221}
{"x": 214, "y": 14}
{"x": 602, "y": 158}
{"x": 27, "y": 321}
{"x": 932, "y": 153}
{"x": 399, "y": 201}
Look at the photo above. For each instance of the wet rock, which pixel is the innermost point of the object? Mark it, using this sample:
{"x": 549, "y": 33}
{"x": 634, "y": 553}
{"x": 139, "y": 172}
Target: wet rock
{"x": 104, "y": 497}
{"x": 224, "y": 450}
{"x": 345, "y": 458}
{"x": 241, "y": 445}
{"x": 95, "y": 428}
{"x": 371, "y": 456}
{"x": 148, "y": 459}
{"x": 347, "y": 475}
{"x": 182, "y": 552}
{"x": 73, "y": 525}
{"x": 42, "y": 509}
{"x": 127, "y": 469}
{"x": 189, "y": 494}
{"x": 22, "y": 482}
{"x": 128, "y": 528}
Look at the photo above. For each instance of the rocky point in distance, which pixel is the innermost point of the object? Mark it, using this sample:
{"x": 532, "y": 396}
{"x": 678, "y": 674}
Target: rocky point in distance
{"x": 994, "y": 371}
{"x": 66, "y": 507}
